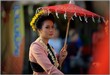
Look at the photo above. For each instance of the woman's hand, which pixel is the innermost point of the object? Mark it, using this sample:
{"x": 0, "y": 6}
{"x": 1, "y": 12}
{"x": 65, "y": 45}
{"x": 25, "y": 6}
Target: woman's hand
{"x": 62, "y": 55}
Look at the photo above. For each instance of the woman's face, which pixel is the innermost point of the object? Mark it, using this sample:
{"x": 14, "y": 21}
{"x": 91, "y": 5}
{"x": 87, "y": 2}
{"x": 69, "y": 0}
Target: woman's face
{"x": 47, "y": 30}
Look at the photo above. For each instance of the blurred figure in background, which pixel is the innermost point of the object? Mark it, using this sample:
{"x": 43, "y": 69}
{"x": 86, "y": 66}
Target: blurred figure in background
{"x": 98, "y": 36}
{"x": 74, "y": 61}
{"x": 56, "y": 42}
{"x": 100, "y": 56}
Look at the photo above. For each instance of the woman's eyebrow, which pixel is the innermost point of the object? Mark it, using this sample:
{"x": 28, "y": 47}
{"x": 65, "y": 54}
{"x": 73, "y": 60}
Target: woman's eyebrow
{"x": 47, "y": 25}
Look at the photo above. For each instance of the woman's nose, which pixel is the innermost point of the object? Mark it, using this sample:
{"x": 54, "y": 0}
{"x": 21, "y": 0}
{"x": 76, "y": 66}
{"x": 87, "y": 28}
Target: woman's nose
{"x": 51, "y": 29}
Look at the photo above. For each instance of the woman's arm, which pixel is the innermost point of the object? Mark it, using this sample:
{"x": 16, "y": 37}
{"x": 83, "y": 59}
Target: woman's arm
{"x": 42, "y": 59}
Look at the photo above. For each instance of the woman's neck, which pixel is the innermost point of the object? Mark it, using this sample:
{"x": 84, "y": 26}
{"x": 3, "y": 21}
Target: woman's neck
{"x": 44, "y": 40}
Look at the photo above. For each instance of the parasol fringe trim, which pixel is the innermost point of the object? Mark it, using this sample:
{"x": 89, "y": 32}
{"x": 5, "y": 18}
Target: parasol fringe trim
{"x": 65, "y": 15}
{"x": 75, "y": 15}
{"x": 49, "y": 12}
{"x": 57, "y": 14}
{"x": 80, "y": 18}
{"x": 38, "y": 9}
{"x": 103, "y": 19}
{"x": 72, "y": 18}
{"x": 93, "y": 19}
{"x": 85, "y": 19}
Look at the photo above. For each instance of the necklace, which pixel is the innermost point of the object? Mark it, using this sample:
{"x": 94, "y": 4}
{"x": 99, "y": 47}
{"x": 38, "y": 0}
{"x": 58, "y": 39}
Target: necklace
{"x": 54, "y": 59}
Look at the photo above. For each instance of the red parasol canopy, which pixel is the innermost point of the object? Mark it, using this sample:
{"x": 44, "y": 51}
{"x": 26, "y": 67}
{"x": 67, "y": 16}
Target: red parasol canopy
{"x": 70, "y": 10}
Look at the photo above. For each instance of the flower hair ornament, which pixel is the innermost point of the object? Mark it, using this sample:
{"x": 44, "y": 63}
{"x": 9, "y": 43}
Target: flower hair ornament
{"x": 32, "y": 23}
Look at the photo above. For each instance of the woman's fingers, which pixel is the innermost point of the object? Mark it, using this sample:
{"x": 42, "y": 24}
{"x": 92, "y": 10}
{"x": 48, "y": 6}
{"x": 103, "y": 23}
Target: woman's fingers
{"x": 64, "y": 48}
{"x": 63, "y": 53}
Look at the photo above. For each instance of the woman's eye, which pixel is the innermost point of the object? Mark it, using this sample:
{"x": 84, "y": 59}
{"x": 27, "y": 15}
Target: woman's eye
{"x": 47, "y": 27}
{"x": 53, "y": 27}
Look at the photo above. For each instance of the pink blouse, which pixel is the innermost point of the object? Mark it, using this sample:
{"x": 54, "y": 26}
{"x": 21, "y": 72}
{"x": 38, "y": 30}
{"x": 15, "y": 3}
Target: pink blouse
{"x": 38, "y": 54}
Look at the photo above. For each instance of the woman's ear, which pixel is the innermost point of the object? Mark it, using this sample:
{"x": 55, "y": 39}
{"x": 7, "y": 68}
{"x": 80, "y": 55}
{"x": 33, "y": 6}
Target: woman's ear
{"x": 39, "y": 31}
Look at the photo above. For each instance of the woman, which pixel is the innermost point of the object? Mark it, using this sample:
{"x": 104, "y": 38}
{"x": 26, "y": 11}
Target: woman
{"x": 41, "y": 55}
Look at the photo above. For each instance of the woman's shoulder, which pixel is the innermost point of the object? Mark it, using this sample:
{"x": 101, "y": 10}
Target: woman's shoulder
{"x": 36, "y": 44}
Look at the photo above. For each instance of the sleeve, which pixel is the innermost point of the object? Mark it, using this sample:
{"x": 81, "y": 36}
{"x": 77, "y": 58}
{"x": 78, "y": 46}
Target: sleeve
{"x": 42, "y": 59}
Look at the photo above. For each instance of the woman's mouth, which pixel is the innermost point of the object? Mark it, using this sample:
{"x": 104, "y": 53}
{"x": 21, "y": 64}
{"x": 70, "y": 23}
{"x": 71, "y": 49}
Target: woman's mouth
{"x": 50, "y": 34}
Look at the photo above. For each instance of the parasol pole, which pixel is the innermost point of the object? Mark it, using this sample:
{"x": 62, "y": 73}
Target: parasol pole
{"x": 69, "y": 18}
{"x": 67, "y": 31}
{"x": 65, "y": 43}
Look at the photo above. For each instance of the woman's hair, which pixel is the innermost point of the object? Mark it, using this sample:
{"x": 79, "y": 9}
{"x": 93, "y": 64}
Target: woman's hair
{"x": 43, "y": 18}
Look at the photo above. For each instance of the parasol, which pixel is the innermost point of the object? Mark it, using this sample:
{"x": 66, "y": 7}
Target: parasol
{"x": 70, "y": 10}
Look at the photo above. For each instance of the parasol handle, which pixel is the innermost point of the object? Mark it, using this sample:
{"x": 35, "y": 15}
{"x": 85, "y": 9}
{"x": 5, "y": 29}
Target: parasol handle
{"x": 67, "y": 31}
